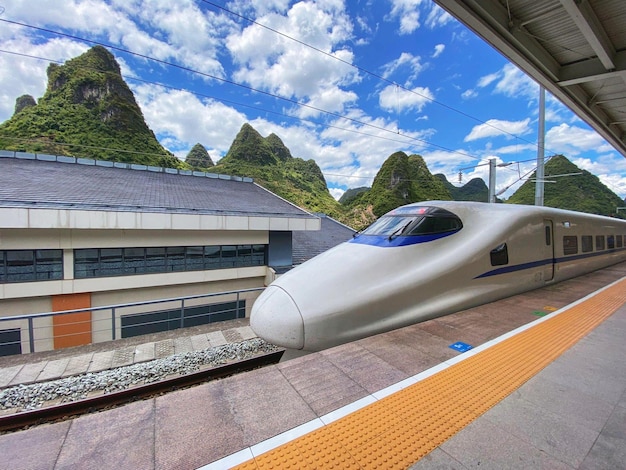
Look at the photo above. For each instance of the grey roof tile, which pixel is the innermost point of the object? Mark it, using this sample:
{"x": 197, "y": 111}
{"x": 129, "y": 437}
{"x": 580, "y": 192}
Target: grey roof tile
{"x": 306, "y": 245}
{"x": 37, "y": 183}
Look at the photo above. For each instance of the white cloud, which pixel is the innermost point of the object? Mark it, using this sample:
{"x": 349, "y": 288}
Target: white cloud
{"x": 439, "y": 48}
{"x": 406, "y": 60}
{"x": 609, "y": 168}
{"x": 468, "y": 94}
{"x": 498, "y": 127}
{"x": 408, "y": 13}
{"x": 487, "y": 80}
{"x": 289, "y": 69}
{"x": 571, "y": 141}
{"x": 437, "y": 16}
{"x": 511, "y": 82}
{"x": 515, "y": 83}
{"x": 181, "y": 120}
{"x": 394, "y": 98}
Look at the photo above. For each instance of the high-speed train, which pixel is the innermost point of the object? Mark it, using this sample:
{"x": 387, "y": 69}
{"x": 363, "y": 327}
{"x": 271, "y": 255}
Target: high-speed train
{"x": 430, "y": 259}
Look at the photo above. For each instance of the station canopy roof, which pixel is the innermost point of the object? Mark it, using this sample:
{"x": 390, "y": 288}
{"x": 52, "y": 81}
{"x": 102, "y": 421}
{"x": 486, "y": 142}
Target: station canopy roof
{"x": 576, "y": 49}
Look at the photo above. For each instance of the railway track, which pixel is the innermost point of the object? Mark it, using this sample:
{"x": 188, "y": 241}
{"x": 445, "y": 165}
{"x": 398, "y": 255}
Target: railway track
{"x": 61, "y": 411}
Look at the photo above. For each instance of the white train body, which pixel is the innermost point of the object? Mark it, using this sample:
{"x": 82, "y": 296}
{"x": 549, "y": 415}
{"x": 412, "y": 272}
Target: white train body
{"x": 430, "y": 259}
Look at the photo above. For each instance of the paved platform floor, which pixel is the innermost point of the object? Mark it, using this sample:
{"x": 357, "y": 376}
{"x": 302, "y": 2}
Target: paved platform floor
{"x": 572, "y": 415}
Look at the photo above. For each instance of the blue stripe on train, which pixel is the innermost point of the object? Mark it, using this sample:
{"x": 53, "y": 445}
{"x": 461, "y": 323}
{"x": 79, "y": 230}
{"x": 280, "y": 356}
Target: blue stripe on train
{"x": 543, "y": 262}
{"x": 385, "y": 242}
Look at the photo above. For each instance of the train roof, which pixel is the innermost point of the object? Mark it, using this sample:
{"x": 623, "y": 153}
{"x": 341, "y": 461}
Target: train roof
{"x": 512, "y": 209}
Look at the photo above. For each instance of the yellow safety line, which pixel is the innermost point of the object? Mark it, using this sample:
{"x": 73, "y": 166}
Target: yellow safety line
{"x": 398, "y": 430}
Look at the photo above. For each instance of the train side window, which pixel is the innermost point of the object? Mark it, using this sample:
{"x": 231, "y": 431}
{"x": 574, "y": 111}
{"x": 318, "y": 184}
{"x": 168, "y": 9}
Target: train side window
{"x": 610, "y": 242}
{"x": 570, "y": 245}
{"x": 548, "y": 236}
{"x": 587, "y": 243}
{"x": 599, "y": 242}
{"x": 618, "y": 241}
{"x": 499, "y": 255}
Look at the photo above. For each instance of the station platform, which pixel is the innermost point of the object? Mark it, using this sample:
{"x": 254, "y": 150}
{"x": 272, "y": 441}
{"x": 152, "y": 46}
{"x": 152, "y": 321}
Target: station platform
{"x": 404, "y": 399}
{"x": 52, "y": 365}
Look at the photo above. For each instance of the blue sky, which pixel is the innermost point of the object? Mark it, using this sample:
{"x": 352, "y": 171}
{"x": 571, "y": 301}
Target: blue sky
{"x": 346, "y": 83}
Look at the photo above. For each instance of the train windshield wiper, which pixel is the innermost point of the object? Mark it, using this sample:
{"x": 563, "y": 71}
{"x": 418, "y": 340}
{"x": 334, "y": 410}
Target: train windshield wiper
{"x": 399, "y": 231}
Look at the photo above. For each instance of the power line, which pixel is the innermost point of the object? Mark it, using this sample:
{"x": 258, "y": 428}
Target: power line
{"x": 169, "y": 87}
{"x": 289, "y": 100}
{"x": 366, "y": 71}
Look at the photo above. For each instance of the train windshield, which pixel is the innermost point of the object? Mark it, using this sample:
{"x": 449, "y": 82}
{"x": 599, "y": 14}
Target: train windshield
{"x": 410, "y": 221}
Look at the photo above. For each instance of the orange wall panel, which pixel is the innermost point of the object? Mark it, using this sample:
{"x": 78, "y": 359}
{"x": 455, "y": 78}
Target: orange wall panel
{"x": 72, "y": 329}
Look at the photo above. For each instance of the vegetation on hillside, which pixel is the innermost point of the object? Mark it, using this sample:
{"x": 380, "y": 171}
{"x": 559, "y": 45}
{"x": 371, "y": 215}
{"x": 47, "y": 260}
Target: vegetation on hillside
{"x": 198, "y": 158}
{"x": 474, "y": 190}
{"x": 583, "y": 192}
{"x": 270, "y": 163}
{"x": 87, "y": 111}
{"x": 402, "y": 179}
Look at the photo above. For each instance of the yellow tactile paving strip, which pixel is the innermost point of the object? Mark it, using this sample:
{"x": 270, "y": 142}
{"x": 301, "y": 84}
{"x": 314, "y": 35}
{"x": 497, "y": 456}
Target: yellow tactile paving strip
{"x": 398, "y": 430}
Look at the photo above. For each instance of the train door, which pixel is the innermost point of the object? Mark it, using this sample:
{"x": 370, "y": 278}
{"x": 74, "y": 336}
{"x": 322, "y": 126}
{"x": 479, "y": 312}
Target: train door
{"x": 548, "y": 250}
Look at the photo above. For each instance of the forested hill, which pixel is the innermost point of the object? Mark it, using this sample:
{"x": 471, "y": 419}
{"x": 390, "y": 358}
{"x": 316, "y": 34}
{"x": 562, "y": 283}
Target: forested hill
{"x": 87, "y": 111}
{"x": 570, "y": 187}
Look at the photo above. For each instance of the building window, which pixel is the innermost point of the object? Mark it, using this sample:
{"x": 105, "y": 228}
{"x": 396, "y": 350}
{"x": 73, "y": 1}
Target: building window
{"x": 166, "y": 320}
{"x": 30, "y": 265}
{"x": 103, "y": 262}
{"x": 10, "y": 342}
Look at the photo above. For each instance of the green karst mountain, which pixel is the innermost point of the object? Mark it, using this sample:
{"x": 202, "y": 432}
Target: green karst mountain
{"x": 350, "y": 194}
{"x": 87, "y": 111}
{"x": 198, "y": 158}
{"x": 584, "y": 192}
{"x": 474, "y": 190}
{"x": 402, "y": 179}
{"x": 270, "y": 163}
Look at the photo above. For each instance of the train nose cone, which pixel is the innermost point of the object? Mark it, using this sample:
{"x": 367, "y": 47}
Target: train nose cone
{"x": 276, "y": 318}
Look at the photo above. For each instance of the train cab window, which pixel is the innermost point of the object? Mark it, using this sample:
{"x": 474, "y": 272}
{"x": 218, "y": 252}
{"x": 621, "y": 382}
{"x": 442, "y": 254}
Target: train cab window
{"x": 618, "y": 241}
{"x": 435, "y": 225}
{"x": 411, "y": 221}
{"x": 570, "y": 245}
{"x": 587, "y": 243}
{"x": 499, "y": 255}
{"x": 610, "y": 242}
{"x": 599, "y": 242}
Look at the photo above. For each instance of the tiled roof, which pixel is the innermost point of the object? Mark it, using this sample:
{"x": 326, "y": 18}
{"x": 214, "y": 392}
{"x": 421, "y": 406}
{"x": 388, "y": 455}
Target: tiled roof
{"x": 306, "y": 245}
{"x": 28, "y": 182}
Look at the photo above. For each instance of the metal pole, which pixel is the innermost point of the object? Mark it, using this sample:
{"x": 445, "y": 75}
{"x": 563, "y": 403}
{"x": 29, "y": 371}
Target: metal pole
{"x": 492, "y": 180}
{"x": 31, "y": 335}
{"x": 540, "y": 174}
{"x": 113, "y": 323}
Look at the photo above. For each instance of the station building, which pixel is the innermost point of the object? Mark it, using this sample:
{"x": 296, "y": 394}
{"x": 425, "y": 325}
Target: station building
{"x": 82, "y": 234}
